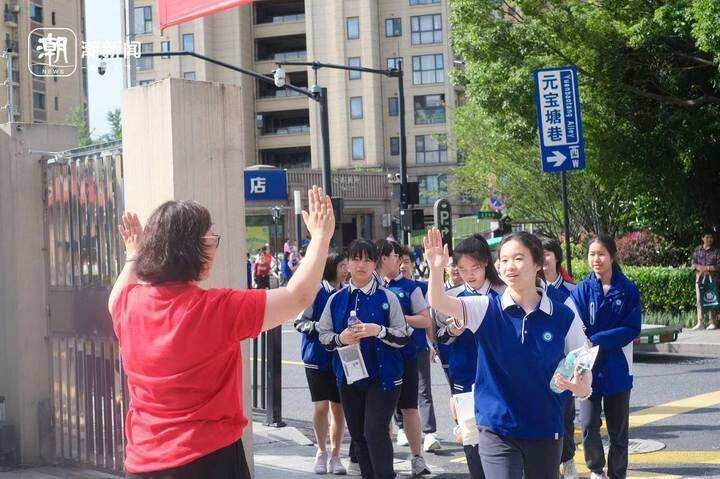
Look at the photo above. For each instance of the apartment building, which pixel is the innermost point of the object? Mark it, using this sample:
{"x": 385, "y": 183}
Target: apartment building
{"x": 39, "y": 99}
{"x": 281, "y": 127}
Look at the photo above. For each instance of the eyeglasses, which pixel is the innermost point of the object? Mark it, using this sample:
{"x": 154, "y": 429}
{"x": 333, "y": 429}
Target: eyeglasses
{"x": 215, "y": 237}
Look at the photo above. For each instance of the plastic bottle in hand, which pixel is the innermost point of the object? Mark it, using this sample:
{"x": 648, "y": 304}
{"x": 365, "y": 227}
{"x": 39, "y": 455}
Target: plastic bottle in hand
{"x": 566, "y": 369}
{"x": 353, "y": 320}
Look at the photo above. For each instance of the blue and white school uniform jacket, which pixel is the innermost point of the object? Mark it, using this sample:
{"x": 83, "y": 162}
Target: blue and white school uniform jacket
{"x": 462, "y": 350}
{"x": 412, "y": 302}
{"x": 612, "y": 321}
{"x": 517, "y": 357}
{"x": 565, "y": 287}
{"x": 314, "y": 354}
{"x": 372, "y": 303}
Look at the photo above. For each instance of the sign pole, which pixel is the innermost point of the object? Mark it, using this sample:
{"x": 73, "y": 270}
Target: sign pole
{"x": 566, "y": 214}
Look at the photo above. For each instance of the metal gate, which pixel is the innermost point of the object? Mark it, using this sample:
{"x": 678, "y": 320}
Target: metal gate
{"x": 85, "y": 253}
{"x": 83, "y": 206}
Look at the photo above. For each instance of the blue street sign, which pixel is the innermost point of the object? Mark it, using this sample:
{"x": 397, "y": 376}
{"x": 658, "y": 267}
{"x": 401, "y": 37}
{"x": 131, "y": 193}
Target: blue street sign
{"x": 557, "y": 99}
{"x": 265, "y": 185}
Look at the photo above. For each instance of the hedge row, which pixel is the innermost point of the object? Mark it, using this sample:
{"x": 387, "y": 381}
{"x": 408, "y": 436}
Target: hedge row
{"x": 662, "y": 289}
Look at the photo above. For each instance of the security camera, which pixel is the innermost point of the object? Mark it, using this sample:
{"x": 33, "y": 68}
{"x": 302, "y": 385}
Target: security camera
{"x": 102, "y": 68}
{"x": 279, "y": 76}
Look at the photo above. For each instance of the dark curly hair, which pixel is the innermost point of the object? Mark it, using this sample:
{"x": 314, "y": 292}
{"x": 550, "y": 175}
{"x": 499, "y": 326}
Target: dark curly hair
{"x": 172, "y": 248}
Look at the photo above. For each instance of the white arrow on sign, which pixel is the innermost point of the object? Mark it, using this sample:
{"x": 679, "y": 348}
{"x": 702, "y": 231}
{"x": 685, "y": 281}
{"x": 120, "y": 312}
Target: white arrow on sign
{"x": 556, "y": 159}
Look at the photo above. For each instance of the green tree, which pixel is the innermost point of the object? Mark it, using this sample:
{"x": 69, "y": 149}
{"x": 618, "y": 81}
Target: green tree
{"x": 78, "y": 118}
{"x": 650, "y": 88}
{"x": 114, "y": 119}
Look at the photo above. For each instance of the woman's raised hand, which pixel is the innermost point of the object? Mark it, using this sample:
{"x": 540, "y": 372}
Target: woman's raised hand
{"x": 319, "y": 218}
{"x": 436, "y": 253}
{"x": 132, "y": 232}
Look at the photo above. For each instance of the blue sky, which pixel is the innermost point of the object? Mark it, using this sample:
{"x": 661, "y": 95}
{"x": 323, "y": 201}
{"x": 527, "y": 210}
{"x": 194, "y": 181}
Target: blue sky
{"x": 103, "y": 23}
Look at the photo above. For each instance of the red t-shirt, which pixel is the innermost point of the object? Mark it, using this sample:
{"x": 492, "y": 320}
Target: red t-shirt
{"x": 262, "y": 269}
{"x": 181, "y": 352}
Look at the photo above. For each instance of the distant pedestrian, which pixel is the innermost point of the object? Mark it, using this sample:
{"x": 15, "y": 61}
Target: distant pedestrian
{"x": 706, "y": 263}
{"x": 261, "y": 272}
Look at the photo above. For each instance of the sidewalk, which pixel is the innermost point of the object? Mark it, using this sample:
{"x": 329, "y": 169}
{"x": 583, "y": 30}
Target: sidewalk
{"x": 689, "y": 343}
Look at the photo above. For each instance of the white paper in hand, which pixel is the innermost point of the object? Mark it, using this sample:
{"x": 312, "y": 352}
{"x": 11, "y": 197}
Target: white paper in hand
{"x": 465, "y": 409}
{"x": 353, "y": 363}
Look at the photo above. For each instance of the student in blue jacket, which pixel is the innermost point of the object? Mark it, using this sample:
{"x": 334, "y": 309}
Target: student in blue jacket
{"x": 475, "y": 266}
{"x": 610, "y": 307}
{"x": 368, "y": 403}
{"x": 416, "y": 312}
{"x": 318, "y": 370}
{"x": 426, "y": 406}
{"x": 521, "y": 336}
{"x": 562, "y": 289}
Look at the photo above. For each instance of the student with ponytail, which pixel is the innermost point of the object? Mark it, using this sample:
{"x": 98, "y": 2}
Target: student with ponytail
{"x": 610, "y": 307}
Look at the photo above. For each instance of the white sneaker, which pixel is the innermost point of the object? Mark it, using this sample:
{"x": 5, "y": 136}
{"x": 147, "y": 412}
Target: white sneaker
{"x": 431, "y": 443}
{"x": 569, "y": 471}
{"x": 594, "y": 475}
{"x": 320, "y": 466}
{"x": 419, "y": 466}
{"x": 353, "y": 469}
{"x": 336, "y": 467}
{"x": 401, "y": 438}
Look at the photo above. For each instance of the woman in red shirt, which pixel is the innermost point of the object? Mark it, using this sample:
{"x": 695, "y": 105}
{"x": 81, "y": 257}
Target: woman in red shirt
{"x": 180, "y": 343}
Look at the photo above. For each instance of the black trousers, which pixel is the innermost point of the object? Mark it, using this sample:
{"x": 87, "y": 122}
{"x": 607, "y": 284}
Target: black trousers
{"x": 617, "y": 415}
{"x": 226, "y": 463}
{"x": 474, "y": 462}
{"x": 568, "y": 450}
{"x": 506, "y": 458}
{"x": 368, "y": 410}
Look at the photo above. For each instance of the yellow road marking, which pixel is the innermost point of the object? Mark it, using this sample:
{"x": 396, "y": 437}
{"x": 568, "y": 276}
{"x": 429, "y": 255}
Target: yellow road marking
{"x": 284, "y": 361}
{"x": 667, "y": 410}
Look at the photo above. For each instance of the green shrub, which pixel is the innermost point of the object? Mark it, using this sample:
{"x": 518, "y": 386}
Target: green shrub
{"x": 662, "y": 289}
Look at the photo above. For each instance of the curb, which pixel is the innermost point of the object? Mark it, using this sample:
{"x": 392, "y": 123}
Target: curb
{"x": 706, "y": 350}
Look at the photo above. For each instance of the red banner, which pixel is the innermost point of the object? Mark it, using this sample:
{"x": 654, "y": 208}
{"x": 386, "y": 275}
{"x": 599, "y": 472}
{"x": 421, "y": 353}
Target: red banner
{"x": 175, "y": 12}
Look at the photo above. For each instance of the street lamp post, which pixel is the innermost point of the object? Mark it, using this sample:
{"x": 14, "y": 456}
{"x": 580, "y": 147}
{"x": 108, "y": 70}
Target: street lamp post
{"x": 392, "y": 73}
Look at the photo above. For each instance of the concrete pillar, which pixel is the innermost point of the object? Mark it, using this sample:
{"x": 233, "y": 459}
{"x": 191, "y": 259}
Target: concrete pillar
{"x": 181, "y": 141}
{"x": 24, "y": 354}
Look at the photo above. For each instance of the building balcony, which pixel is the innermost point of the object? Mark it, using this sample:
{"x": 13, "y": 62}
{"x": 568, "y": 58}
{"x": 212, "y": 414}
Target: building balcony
{"x": 278, "y": 49}
{"x": 11, "y": 18}
{"x": 286, "y": 157}
{"x": 11, "y": 45}
{"x": 269, "y": 30}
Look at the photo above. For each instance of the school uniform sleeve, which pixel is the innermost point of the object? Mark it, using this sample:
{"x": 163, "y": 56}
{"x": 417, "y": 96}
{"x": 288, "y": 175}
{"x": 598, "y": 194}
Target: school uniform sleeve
{"x": 579, "y": 296}
{"x": 397, "y": 333}
{"x": 625, "y": 334}
{"x": 304, "y": 323}
{"x": 417, "y": 301}
{"x": 325, "y": 330}
{"x": 474, "y": 310}
{"x": 575, "y": 337}
{"x": 443, "y": 333}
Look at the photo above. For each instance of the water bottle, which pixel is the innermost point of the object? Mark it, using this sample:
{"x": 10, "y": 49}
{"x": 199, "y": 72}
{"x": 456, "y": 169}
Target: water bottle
{"x": 353, "y": 320}
{"x": 566, "y": 369}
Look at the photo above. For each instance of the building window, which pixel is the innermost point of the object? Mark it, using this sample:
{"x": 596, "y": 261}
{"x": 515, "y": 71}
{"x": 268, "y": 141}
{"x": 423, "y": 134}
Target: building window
{"x": 354, "y": 62}
{"x": 431, "y": 149}
{"x": 52, "y": 17}
{"x": 393, "y": 63}
{"x": 393, "y": 106}
{"x": 165, "y": 47}
{"x": 394, "y": 146}
{"x": 143, "y": 20}
{"x": 426, "y": 29}
{"x": 147, "y": 62}
{"x": 353, "y": 28}
{"x": 356, "y": 108}
{"x": 36, "y": 13}
{"x": 393, "y": 27}
{"x": 424, "y": 2}
{"x": 38, "y": 101}
{"x": 189, "y": 75}
{"x": 428, "y": 69}
{"x": 145, "y": 82}
{"x": 429, "y": 109}
{"x": 188, "y": 40}
{"x": 358, "y": 148}
{"x": 57, "y": 104}
{"x": 431, "y": 188}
